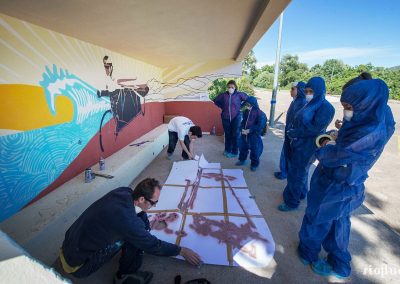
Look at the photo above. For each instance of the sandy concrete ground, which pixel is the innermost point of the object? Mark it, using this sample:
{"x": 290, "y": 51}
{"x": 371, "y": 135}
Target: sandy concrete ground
{"x": 375, "y": 247}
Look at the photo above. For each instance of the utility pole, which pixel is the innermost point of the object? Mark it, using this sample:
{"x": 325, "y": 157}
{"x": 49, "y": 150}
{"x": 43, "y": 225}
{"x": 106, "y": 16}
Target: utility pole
{"x": 276, "y": 74}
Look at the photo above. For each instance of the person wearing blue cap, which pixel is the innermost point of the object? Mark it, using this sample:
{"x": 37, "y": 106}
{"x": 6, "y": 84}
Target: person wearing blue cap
{"x": 337, "y": 185}
{"x": 299, "y": 101}
{"x": 230, "y": 103}
{"x": 309, "y": 122}
{"x": 253, "y": 124}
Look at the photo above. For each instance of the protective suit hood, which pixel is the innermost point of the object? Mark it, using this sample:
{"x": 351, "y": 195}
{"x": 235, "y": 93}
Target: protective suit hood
{"x": 301, "y": 94}
{"x": 253, "y": 101}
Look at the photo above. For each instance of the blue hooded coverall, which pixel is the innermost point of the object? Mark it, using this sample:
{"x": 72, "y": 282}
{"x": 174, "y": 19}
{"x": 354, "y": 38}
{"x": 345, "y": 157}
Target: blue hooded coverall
{"x": 337, "y": 185}
{"x": 255, "y": 120}
{"x": 309, "y": 122}
{"x": 231, "y": 118}
{"x": 298, "y": 103}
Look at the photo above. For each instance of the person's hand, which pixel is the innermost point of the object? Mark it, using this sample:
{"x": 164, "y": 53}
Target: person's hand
{"x": 245, "y": 131}
{"x": 190, "y": 256}
{"x": 334, "y": 134}
{"x": 324, "y": 142}
{"x": 190, "y": 156}
{"x": 338, "y": 123}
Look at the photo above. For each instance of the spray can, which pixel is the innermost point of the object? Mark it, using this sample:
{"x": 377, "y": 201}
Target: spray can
{"x": 88, "y": 175}
{"x": 213, "y": 130}
{"x": 102, "y": 164}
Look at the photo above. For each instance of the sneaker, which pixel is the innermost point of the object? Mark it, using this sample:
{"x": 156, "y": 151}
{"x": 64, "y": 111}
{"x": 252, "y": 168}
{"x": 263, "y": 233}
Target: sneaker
{"x": 279, "y": 175}
{"x": 169, "y": 156}
{"x": 240, "y": 163}
{"x": 140, "y": 277}
{"x": 323, "y": 268}
{"x": 253, "y": 168}
{"x": 226, "y": 153}
{"x": 284, "y": 208}
{"x": 230, "y": 155}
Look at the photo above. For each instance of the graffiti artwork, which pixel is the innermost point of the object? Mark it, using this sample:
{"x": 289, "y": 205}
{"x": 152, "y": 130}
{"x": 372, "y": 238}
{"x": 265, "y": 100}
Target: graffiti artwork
{"x": 124, "y": 98}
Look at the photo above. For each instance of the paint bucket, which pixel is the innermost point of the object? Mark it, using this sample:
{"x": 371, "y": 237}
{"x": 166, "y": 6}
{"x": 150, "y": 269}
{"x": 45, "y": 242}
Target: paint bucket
{"x": 88, "y": 175}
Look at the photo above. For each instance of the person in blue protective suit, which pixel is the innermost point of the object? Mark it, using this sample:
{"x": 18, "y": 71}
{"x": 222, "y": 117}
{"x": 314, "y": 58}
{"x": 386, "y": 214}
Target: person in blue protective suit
{"x": 299, "y": 101}
{"x": 230, "y": 102}
{"x": 337, "y": 185}
{"x": 253, "y": 123}
{"x": 308, "y": 124}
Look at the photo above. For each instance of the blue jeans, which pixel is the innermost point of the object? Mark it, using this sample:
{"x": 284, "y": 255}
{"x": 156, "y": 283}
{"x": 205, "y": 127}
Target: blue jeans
{"x": 232, "y": 134}
{"x": 130, "y": 261}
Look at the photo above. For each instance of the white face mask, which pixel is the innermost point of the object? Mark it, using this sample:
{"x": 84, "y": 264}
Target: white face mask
{"x": 347, "y": 114}
{"x": 309, "y": 98}
{"x": 231, "y": 90}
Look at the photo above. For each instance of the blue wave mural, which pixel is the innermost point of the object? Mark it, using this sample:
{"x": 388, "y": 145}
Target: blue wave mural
{"x": 30, "y": 161}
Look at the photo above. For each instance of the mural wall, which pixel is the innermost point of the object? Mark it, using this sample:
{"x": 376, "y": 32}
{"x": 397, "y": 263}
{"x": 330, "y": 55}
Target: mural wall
{"x": 66, "y": 103}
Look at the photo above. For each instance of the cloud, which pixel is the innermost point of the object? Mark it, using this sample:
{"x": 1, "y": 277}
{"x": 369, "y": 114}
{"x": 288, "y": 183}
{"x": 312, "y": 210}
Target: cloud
{"x": 320, "y": 55}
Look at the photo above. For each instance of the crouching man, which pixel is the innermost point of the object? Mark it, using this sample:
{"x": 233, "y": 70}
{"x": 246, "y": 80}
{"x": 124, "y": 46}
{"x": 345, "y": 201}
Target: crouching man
{"x": 118, "y": 222}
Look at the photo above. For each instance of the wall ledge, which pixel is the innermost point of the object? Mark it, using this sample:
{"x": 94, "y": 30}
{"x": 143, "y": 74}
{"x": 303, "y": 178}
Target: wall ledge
{"x": 40, "y": 227}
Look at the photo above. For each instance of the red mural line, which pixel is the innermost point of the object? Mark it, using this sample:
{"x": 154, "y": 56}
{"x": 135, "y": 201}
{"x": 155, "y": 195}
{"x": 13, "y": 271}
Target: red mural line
{"x": 226, "y": 232}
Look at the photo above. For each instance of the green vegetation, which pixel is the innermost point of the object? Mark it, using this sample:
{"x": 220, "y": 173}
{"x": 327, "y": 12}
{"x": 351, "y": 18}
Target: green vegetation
{"x": 334, "y": 71}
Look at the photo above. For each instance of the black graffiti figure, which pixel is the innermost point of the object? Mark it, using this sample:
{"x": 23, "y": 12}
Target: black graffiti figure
{"x": 124, "y": 99}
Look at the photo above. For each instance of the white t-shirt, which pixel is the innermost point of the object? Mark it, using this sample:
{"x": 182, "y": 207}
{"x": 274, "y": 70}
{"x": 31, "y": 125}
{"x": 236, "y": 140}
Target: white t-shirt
{"x": 180, "y": 125}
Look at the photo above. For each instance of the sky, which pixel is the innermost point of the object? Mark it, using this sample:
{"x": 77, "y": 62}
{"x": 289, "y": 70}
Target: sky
{"x": 354, "y": 31}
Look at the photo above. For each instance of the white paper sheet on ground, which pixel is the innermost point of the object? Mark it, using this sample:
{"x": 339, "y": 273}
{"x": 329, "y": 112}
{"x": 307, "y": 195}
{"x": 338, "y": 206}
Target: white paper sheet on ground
{"x": 209, "y": 235}
{"x": 166, "y": 231}
{"x": 170, "y": 197}
{"x": 181, "y": 171}
{"x": 203, "y": 163}
{"x": 254, "y": 252}
{"x": 245, "y": 199}
{"x": 239, "y": 180}
{"x": 210, "y": 249}
{"x": 208, "y": 200}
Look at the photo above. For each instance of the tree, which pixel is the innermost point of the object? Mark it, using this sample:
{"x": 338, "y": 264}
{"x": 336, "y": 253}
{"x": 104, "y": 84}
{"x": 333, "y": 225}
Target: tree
{"x": 249, "y": 64}
{"x": 292, "y": 70}
{"x": 331, "y": 68}
{"x": 217, "y": 87}
{"x": 264, "y": 80}
{"x": 244, "y": 85}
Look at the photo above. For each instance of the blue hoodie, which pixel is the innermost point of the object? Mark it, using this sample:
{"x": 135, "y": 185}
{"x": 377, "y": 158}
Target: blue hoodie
{"x": 254, "y": 119}
{"x": 361, "y": 140}
{"x": 298, "y": 103}
{"x": 230, "y": 104}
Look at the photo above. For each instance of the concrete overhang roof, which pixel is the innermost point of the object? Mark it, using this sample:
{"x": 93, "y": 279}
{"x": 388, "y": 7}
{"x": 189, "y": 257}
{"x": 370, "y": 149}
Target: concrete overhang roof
{"x": 162, "y": 33}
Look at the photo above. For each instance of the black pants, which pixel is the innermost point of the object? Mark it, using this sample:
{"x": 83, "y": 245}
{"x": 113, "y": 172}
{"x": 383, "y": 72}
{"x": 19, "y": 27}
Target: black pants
{"x": 130, "y": 261}
{"x": 173, "y": 139}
